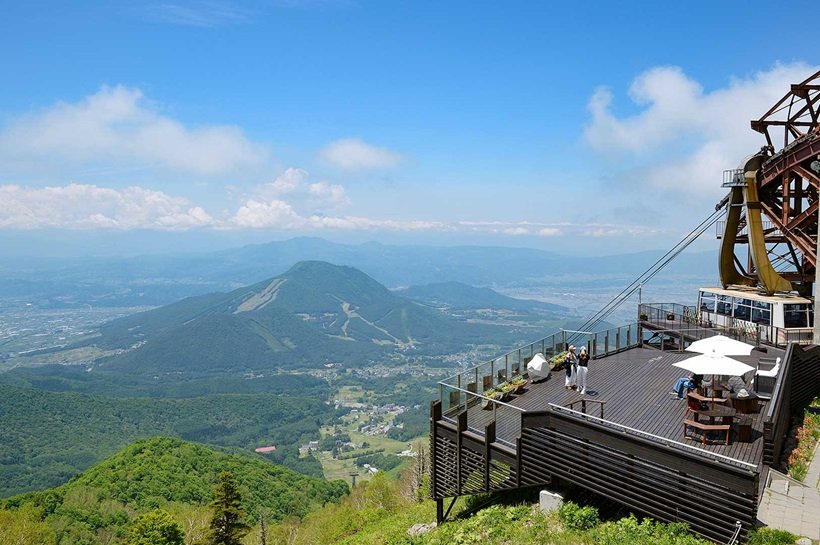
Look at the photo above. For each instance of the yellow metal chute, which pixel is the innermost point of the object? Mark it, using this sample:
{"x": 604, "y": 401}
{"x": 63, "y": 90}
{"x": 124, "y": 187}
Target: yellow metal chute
{"x": 769, "y": 278}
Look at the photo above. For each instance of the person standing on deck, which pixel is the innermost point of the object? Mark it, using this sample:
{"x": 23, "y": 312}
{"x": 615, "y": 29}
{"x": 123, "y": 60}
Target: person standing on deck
{"x": 583, "y": 362}
{"x": 571, "y": 368}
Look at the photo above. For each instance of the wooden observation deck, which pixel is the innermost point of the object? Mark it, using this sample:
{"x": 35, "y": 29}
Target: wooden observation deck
{"x": 623, "y": 440}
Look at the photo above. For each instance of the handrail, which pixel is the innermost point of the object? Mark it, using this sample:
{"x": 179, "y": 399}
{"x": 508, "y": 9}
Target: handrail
{"x": 508, "y": 365}
{"x": 583, "y": 403}
{"x": 475, "y": 394}
{"x": 754, "y": 333}
{"x": 657, "y": 438}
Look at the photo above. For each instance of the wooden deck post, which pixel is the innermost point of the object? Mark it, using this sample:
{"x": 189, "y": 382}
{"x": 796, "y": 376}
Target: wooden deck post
{"x": 435, "y": 416}
{"x": 461, "y": 424}
{"x": 489, "y": 439}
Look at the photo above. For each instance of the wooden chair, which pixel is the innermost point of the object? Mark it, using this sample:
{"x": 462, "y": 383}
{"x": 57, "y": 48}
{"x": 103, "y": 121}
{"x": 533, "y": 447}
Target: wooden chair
{"x": 705, "y": 429}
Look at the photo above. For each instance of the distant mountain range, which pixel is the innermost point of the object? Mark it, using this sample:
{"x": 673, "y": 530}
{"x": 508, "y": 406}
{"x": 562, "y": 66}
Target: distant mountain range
{"x": 458, "y": 296}
{"x": 313, "y": 314}
{"x": 161, "y": 279}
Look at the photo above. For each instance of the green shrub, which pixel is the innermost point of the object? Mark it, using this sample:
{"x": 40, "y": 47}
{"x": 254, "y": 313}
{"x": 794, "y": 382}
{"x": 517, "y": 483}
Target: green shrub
{"x": 576, "y": 517}
{"x": 645, "y": 532}
{"x": 771, "y": 536}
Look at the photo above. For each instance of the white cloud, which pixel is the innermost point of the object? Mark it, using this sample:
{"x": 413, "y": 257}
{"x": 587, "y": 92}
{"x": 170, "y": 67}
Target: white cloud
{"x": 286, "y": 183}
{"x": 327, "y": 194}
{"x": 292, "y": 183}
{"x": 704, "y": 132}
{"x": 255, "y": 215}
{"x": 86, "y": 206}
{"x": 78, "y": 206}
{"x": 118, "y": 125}
{"x": 516, "y": 231}
{"x": 355, "y": 154}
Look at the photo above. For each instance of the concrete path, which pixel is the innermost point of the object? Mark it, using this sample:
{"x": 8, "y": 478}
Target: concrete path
{"x": 791, "y": 505}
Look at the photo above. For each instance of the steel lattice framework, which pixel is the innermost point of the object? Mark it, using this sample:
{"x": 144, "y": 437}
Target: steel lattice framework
{"x": 788, "y": 183}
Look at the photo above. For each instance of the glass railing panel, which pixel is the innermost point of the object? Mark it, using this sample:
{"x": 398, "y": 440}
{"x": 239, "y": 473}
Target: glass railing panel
{"x": 452, "y": 402}
{"x": 486, "y": 380}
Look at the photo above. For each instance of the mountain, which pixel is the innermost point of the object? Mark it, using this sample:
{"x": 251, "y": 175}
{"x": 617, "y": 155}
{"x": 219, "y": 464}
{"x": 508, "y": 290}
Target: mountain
{"x": 177, "y": 475}
{"x": 312, "y": 314}
{"x": 48, "y": 437}
{"x": 458, "y": 296}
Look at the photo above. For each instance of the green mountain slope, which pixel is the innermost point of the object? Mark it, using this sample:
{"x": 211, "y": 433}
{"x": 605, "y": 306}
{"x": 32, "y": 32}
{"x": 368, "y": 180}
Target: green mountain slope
{"x": 162, "y": 472}
{"x": 47, "y": 437}
{"x": 314, "y": 313}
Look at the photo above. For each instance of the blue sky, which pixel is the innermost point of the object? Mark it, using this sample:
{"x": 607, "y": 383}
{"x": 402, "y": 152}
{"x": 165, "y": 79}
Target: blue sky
{"x": 579, "y": 127}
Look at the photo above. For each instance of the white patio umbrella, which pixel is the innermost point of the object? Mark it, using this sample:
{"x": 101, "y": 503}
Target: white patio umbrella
{"x": 714, "y": 364}
{"x": 722, "y": 345}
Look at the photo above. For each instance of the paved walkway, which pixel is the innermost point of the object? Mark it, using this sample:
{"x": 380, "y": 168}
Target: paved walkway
{"x": 791, "y": 505}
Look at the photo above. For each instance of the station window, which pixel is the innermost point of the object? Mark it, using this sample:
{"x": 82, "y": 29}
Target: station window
{"x": 743, "y": 309}
{"x": 724, "y": 305}
{"x": 762, "y": 313}
{"x": 796, "y": 315}
{"x": 707, "y": 302}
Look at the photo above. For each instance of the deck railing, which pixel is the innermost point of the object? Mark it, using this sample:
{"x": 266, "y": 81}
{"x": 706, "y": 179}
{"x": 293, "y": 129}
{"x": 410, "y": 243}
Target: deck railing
{"x": 488, "y": 375}
{"x": 680, "y": 317}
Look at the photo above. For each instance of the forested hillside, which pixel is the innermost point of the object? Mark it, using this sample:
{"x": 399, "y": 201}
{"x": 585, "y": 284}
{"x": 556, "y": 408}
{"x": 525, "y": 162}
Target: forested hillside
{"x": 97, "y": 506}
{"x": 46, "y": 437}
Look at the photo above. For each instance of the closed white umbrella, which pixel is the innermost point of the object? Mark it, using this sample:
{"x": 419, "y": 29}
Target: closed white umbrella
{"x": 538, "y": 367}
{"x": 714, "y": 364}
{"x": 722, "y": 345}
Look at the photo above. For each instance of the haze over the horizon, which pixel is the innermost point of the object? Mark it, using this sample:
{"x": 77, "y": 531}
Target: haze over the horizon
{"x": 195, "y": 125}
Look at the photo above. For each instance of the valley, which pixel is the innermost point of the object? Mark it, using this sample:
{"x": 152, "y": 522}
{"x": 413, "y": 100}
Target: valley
{"x": 322, "y": 367}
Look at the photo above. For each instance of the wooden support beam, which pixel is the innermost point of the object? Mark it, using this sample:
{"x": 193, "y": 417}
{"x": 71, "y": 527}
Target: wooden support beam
{"x": 489, "y": 439}
{"x": 461, "y": 427}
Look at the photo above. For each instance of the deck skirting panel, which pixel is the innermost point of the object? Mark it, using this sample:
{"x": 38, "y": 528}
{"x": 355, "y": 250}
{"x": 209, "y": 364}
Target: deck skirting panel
{"x": 665, "y": 493}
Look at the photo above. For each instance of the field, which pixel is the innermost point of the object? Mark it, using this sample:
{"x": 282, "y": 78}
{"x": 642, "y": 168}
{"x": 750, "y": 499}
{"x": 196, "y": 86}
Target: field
{"x": 335, "y": 468}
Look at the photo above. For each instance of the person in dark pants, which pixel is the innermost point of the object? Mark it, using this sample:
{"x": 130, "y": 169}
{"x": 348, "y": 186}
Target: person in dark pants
{"x": 583, "y": 363}
{"x": 682, "y": 385}
{"x": 571, "y": 368}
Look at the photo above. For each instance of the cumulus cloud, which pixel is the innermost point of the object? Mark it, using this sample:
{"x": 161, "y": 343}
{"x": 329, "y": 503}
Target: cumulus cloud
{"x": 324, "y": 193}
{"x": 287, "y": 182}
{"x": 80, "y": 206}
{"x": 355, "y": 154}
{"x": 703, "y": 132}
{"x": 118, "y": 125}
{"x": 293, "y": 184}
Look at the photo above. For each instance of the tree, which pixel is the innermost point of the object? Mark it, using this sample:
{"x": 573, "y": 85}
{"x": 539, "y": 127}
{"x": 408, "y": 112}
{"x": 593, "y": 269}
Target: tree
{"x": 155, "y": 528}
{"x": 226, "y": 526}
